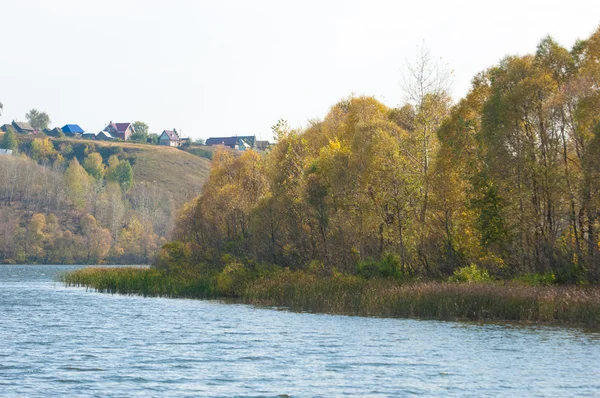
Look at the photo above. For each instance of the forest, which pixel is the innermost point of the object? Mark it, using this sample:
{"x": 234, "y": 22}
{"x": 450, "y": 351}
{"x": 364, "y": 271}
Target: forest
{"x": 502, "y": 184}
{"x": 75, "y": 202}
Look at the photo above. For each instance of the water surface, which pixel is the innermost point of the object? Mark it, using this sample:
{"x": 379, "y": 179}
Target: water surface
{"x": 69, "y": 341}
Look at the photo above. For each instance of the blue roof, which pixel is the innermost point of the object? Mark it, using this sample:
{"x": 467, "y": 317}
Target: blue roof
{"x": 72, "y": 128}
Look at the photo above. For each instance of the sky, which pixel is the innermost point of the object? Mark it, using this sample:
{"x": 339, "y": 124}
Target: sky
{"x": 222, "y": 68}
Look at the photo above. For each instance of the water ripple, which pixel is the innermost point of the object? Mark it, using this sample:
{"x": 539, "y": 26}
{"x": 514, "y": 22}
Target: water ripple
{"x": 57, "y": 341}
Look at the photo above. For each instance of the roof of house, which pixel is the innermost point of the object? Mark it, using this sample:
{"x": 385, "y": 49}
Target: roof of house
{"x": 72, "y": 128}
{"x": 120, "y": 127}
{"x": 106, "y": 134}
{"x": 231, "y": 141}
{"x": 171, "y": 134}
{"x": 24, "y": 126}
{"x": 55, "y": 131}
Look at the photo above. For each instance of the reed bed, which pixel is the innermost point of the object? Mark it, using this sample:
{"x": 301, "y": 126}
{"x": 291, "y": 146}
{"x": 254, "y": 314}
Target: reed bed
{"x": 351, "y": 295}
{"x": 141, "y": 281}
{"x": 482, "y": 302}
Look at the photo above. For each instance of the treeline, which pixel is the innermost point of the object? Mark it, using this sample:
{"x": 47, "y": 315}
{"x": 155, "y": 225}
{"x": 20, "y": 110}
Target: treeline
{"x": 507, "y": 180}
{"x": 56, "y": 209}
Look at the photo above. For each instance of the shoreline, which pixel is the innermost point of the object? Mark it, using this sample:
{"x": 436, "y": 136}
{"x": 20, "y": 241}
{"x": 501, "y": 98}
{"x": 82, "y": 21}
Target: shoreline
{"x": 572, "y": 306}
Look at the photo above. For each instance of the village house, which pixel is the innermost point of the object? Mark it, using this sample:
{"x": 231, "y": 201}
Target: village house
{"x": 240, "y": 143}
{"x": 6, "y": 151}
{"x": 169, "y": 138}
{"x": 20, "y": 127}
{"x": 55, "y": 132}
{"x": 6, "y": 128}
{"x": 72, "y": 130}
{"x": 123, "y": 131}
{"x": 105, "y": 136}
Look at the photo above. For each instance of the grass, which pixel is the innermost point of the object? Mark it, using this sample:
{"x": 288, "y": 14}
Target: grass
{"x": 170, "y": 169}
{"x": 350, "y": 295}
{"x": 140, "y": 281}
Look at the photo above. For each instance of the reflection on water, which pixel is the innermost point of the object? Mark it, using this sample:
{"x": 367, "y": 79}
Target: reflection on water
{"x": 68, "y": 341}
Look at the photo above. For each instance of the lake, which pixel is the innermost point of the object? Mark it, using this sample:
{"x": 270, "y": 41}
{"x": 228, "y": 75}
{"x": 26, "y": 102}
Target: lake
{"x": 69, "y": 341}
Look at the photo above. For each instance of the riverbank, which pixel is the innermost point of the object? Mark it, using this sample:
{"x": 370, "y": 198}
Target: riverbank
{"x": 351, "y": 295}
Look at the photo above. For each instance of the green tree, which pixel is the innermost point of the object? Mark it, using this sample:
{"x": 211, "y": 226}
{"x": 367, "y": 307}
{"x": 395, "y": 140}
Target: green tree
{"x": 94, "y": 166}
{"x": 153, "y": 138}
{"x": 9, "y": 140}
{"x": 38, "y": 120}
{"x": 120, "y": 172}
{"x": 140, "y": 132}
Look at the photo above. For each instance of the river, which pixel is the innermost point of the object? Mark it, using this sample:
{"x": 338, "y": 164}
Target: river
{"x": 57, "y": 341}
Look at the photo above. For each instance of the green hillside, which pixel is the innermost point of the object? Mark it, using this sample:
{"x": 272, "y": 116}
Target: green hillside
{"x": 178, "y": 172}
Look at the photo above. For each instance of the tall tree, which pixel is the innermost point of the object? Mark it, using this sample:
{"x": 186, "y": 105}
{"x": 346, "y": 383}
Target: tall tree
{"x": 78, "y": 183}
{"x": 9, "y": 140}
{"x": 426, "y": 85}
{"x": 120, "y": 172}
{"x": 94, "y": 166}
{"x": 38, "y": 120}
{"x": 140, "y": 132}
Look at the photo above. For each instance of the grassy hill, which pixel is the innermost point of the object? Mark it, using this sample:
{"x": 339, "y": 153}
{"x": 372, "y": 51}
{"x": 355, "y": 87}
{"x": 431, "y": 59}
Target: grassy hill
{"x": 174, "y": 170}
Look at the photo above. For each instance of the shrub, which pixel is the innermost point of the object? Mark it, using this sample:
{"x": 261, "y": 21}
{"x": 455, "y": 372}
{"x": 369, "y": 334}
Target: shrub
{"x": 233, "y": 279}
{"x": 546, "y": 279}
{"x": 389, "y": 267}
{"x": 471, "y": 273}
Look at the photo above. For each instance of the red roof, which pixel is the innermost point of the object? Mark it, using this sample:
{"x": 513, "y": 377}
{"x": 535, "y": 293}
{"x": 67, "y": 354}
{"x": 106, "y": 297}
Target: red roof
{"x": 121, "y": 127}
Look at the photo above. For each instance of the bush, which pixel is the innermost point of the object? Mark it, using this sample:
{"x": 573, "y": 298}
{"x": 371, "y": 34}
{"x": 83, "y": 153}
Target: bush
{"x": 389, "y": 267}
{"x": 233, "y": 279}
{"x": 203, "y": 153}
{"x": 546, "y": 279}
{"x": 472, "y": 273}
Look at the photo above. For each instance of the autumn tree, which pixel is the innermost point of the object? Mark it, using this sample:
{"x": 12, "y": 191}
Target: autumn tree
{"x": 42, "y": 150}
{"x": 78, "y": 183}
{"x": 97, "y": 240}
{"x": 426, "y": 87}
{"x": 94, "y": 166}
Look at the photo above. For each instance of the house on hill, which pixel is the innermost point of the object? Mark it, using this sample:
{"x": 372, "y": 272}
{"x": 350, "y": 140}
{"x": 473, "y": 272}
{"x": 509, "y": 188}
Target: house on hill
{"x": 72, "y": 130}
{"x": 105, "y": 136}
{"x": 123, "y": 131}
{"x": 23, "y": 128}
{"x": 169, "y": 138}
{"x": 240, "y": 143}
{"x": 7, "y": 127}
{"x": 55, "y": 132}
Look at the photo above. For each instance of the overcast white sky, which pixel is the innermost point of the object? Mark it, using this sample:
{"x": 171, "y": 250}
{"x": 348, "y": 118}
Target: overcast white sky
{"x": 214, "y": 68}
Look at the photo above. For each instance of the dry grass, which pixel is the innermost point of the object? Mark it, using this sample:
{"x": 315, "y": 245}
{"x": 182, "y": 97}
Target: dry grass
{"x": 483, "y": 302}
{"x": 166, "y": 168}
{"x": 350, "y": 295}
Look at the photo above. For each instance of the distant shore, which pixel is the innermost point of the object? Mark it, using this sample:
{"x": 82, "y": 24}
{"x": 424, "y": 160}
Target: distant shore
{"x": 350, "y": 295}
